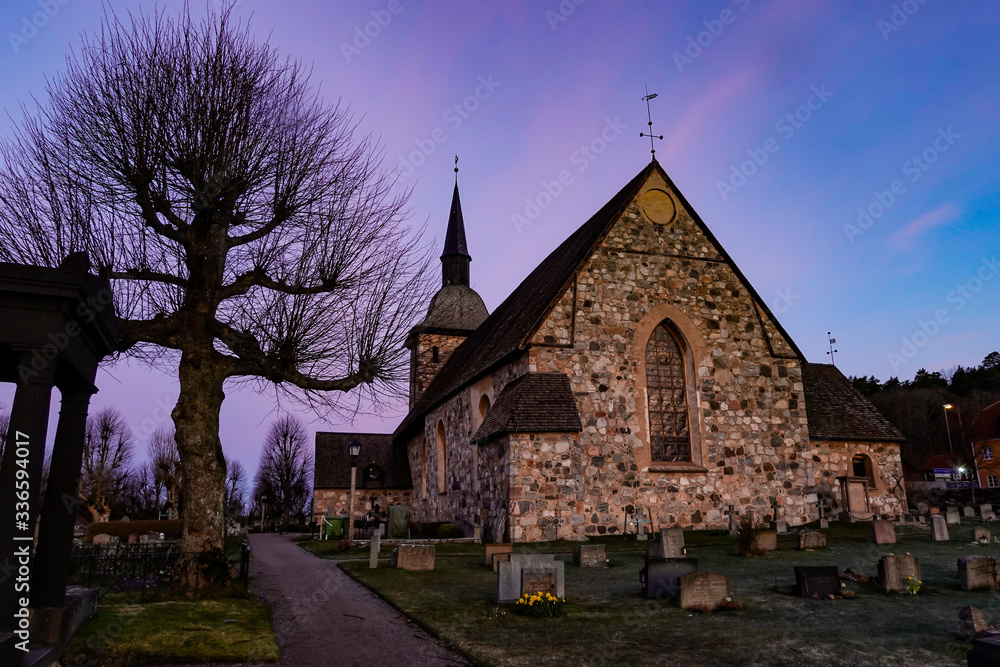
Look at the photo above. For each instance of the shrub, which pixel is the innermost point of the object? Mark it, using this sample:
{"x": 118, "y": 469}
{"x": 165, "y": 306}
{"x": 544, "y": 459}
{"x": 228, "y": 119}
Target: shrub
{"x": 747, "y": 531}
{"x": 448, "y": 531}
{"x": 170, "y": 528}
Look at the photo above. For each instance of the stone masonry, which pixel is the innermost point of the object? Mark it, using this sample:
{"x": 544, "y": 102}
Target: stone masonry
{"x": 750, "y": 436}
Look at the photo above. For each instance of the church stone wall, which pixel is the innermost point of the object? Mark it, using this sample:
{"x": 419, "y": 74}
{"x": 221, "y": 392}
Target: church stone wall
{"x": 831, "y": 460}
{"x": 423, "y": 366}
{"x": 468, "y": 492}
{"x": 749, "y": 403}
{"x": 334, "y": 502}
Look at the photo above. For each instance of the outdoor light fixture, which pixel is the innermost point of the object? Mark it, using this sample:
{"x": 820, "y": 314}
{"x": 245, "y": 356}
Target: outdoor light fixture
{"x": 353, "y": 450}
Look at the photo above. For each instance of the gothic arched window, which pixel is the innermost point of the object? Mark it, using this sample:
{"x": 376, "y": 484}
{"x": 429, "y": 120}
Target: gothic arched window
{"x": 669, "y": 435}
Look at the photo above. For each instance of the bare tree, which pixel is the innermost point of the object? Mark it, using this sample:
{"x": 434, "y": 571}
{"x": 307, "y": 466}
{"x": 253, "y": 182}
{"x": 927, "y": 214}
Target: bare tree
{"x": 141, "y": 493}
{"x": 244, "y": 224}
{"x": 165, "y": 465}
{"x": 108, "y": 448}
{"x": 236, "y": 479}
{"x": 284, "y": 474}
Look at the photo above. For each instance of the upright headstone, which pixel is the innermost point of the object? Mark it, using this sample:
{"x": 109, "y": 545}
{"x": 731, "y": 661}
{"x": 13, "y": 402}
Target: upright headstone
{"x": 703, "y": 590}
{"x": 660, "y": 577}
{"x": 776, "y": 521}
{"x": 102, "y": 538}
{"x": 509, "y": 574}
{"x": 971, "y": 622}
{"x": 373, "y": 549}
{"x": 981, "y": 534}
{"x": 673, "y": 542}
{"x": 883, "y": 532}
{"x": 497, "y": 548}
{"x": 986, "y": 512}
{"x": 590, "y": 555}
{"x": 812, "y": 539}
{"x": 939, "y": 529}
{"x": 952, "y": 516}
{"x": 767, "y": 540}
{"x": 979, "y": 572}
{"x": 968, "y": 511}
{"x": 817, "y": 580}
{"x": 894, "y": 572}
{"x": 413, "y": 557}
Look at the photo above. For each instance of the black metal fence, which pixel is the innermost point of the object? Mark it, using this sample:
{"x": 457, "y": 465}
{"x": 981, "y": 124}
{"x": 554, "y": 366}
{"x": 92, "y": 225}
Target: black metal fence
{"x": 142, "y": 571}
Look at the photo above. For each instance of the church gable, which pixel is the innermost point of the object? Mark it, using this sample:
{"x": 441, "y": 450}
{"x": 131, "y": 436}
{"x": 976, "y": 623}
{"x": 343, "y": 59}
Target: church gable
{"x": 658, "y": 221}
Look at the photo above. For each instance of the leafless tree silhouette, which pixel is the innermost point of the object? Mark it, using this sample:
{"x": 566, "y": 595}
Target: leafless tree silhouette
{"x": 107, "y": 454}
{"x": 250, "y": 233}
{"x": 284, "y": 474}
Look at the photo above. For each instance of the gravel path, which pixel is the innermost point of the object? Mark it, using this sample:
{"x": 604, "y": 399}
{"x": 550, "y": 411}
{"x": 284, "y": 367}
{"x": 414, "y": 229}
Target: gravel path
{"x": 323, "y": 617}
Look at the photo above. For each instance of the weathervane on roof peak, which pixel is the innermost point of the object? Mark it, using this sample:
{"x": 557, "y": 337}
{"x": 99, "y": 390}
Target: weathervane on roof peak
{"x": 650, "y": 96}
{"x": 832, "y": 341}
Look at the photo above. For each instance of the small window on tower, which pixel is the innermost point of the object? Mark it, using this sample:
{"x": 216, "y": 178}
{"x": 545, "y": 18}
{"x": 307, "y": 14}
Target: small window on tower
{"x": 435, "y": 357}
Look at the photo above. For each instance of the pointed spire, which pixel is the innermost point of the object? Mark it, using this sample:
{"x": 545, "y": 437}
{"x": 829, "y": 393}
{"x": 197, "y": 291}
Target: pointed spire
{"x": 456, "y": 258}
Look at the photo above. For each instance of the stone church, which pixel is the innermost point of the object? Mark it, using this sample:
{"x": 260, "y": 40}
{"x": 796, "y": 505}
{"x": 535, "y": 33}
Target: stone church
{"x": 634, "y": 373}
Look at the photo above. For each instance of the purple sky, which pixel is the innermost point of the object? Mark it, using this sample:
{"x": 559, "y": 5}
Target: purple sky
{"x": 902, "y": 125}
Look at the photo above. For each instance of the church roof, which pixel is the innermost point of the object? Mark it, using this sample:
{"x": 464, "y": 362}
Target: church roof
{"x": 455, "y": 308}
{"x": 533, "y": 403}
{"x": 509, "y": 329}
{"x": 987, "y": 425}
{"x": 454, "y": 240}
{"x": 333, "y": 464}
{"x": 838, "y": 412}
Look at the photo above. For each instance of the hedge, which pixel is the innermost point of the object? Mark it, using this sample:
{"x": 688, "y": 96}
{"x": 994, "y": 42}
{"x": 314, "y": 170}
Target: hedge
{"x": 171, "y": 529}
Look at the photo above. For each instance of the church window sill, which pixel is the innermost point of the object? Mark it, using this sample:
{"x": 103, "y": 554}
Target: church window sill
{"x": 676, "y": 467}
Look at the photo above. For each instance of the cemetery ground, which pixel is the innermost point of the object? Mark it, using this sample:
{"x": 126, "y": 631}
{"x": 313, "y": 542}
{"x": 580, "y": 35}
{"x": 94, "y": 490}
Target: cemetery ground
{"x": 607, "y": 622}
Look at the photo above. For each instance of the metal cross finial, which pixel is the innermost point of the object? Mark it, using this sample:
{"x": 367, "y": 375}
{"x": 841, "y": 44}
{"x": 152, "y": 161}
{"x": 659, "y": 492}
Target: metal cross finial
{"x": 456, "y": 170}
{"x": 650, "y": 96}
{"x": 832, "y": 341}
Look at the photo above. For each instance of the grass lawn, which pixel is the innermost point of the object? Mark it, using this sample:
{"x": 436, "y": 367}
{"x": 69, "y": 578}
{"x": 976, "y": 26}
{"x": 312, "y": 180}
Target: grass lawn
{"x": 175, "y": 632}
{"x": 607, "y": 622}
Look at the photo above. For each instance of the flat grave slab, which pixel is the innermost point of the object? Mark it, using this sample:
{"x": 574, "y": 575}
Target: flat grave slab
{"x": 975, "y": 572}
{"x": 883, "y": 532}
{"x": 703, "y": 590}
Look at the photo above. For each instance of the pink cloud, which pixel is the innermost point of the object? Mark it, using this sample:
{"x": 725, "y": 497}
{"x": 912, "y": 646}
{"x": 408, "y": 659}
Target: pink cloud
{"x": 903, "y": 239}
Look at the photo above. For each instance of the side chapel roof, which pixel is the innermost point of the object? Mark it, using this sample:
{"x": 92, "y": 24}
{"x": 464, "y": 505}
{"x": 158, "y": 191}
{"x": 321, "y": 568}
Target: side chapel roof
{"x": 838, "y": 412}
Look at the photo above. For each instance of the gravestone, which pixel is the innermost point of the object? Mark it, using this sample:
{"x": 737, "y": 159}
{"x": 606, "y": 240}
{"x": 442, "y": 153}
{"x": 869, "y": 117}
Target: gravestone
{"x": 143, "y": 539}
{"x": 971, "y": 622}
{"x": 780, "y": 527}
{"x": 939, "y": 529}
{"x": 812, "y": 539}
{"x": 703, "y": 590}
{"x": 509, "y": 574}
{"x": 413, "y": 557}
{"x": 986, "y": 512}
{"x": 133, "y": 538}
{"x": 399, "y": 522}
{"x": 767, "y": 540}
{"x": 978, "y": 572}
{"x": 499, "y": 558}
{"x": 102, "y": 538}
{"x": 893, "y": 572}
{"x": 952, "y": 516}
{"x": 985, "y": 651}
{"x": 670, "y": 544}
{"x": 981, "y": 534}
{"x": 660, "y": 577}
{"x": 883, "y": 532}
{"x": 538, "y": 580}
{"x": 373, "y": 549}
{"x": 968, "y": 511}
{"x": 590, "y": 555}
{"x": 935, "y": 510}
{"x": 497, "y": 548}
{"x": 923, "y": 507}
{"x": 819, "y": 580}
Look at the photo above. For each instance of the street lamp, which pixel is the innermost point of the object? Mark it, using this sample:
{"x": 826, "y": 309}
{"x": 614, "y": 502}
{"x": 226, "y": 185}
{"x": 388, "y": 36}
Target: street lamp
{"x": 946, "y": 407}
{"x": 974, "y": 472}
{"x": 353, "y": 450}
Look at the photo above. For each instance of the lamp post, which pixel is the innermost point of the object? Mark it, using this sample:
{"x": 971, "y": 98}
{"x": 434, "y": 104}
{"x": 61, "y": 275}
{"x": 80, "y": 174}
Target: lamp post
{"x": 946, "y": 407}
{"x": 263, "y": 509}
{"x": 974, "y": 472}
{"x": 353, "y": 450}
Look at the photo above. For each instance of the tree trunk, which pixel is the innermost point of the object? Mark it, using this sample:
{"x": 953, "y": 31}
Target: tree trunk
{"x": 196, "y": 421}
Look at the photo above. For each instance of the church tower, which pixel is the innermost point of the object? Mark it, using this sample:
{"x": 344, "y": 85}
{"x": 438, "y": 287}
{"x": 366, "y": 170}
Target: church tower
{"x": 454, "y": 313}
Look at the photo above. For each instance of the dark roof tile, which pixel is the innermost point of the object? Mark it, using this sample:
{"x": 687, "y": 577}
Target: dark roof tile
{"x": 838, "y": 411}
{"x": 533, "y": 403}
{"x": 333, "y": 465}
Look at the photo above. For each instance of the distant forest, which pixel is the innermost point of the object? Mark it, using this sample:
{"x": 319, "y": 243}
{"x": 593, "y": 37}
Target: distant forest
{"x": 916, "y": 406}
